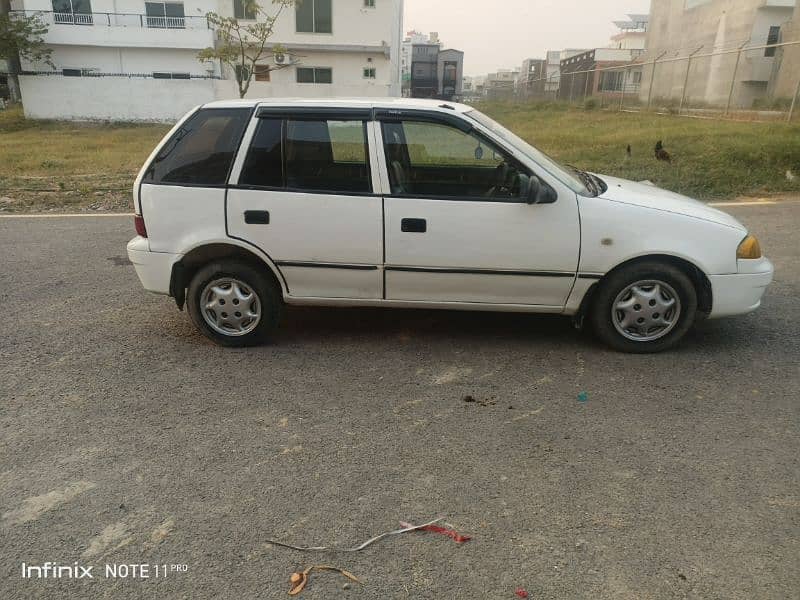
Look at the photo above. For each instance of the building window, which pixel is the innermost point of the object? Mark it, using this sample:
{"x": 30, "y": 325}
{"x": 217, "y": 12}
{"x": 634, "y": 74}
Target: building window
{"x": 168, "y": 75}
{"x": 72, "y": 72}
{"x": 369, "y": 3}
{"x": 314, "y": 75}
{"x": 370, "y": 73}
{"x": 244, "y": 9}
{"x": 314, "y": 16}
{"x": 165, "y": 15}
{"x": 773, "y": 37}
{"x": 611, "y": 81}
{"x": 262, "y": 73}
{"x": 242, "y": 72}
{"x": 72, "y": 12}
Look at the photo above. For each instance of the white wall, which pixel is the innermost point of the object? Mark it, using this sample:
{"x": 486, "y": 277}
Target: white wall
{"x": 112, "y": 98}
{"x": 348, "y": 78}
{"x": 123, "y": 60}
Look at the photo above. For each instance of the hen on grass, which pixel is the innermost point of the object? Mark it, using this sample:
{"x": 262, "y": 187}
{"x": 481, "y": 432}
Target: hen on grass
{"x": 662, "y": 154}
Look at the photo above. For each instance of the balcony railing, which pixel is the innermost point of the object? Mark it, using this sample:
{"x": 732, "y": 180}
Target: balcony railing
{"x": 166, "y": 22}
{"x": 103, "y": 19}
{"x": 73, "y": 18}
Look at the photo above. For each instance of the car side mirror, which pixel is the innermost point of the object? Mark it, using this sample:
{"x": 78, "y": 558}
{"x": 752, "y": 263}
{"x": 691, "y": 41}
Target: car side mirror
{"x": 539, "y": 192}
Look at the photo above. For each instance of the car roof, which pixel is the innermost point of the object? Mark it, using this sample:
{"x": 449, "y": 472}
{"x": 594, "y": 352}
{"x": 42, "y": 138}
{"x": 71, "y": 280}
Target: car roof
{"x": 395, "y": 103}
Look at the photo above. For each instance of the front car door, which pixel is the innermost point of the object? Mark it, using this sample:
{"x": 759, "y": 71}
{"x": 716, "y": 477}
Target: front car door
{"x": 457, "y": 227}
{"x": 304, "y": 196}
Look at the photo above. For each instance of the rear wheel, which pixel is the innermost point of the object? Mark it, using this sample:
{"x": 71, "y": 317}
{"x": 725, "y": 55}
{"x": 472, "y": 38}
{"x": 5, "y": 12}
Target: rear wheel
{"x": 644, "y": 307}
{"x": 233, "y": 304}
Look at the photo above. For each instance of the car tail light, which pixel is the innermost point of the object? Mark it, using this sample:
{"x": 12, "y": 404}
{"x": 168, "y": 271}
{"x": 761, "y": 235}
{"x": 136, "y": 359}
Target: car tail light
{"x": 138, "y": 222}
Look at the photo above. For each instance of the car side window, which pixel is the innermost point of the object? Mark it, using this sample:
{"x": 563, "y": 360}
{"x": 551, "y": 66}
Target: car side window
{"x": 202, "y": 150}
{"x": 431, "y": 159}
{"x": 327, "y": 155}
{"x": 314, "y": 155}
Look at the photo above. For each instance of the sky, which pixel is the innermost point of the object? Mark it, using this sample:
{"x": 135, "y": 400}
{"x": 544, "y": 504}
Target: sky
{"x": 503, "y": 33}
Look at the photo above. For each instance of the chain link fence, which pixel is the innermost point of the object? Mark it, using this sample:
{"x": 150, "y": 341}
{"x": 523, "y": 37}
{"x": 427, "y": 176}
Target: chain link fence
{"x": 752, "y": 82}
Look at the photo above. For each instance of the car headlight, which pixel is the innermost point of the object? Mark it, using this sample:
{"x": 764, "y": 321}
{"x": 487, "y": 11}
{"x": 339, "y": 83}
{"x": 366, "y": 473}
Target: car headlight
{"x": 749, "y": 248}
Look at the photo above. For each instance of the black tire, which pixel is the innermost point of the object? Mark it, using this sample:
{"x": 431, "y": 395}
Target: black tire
{"x": 270, "y": 302}
{"x": 614, "y": 284}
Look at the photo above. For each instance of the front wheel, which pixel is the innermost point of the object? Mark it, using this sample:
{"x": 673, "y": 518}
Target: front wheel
{"x": 644, "y": 307}
{"x": 233, "y": 304}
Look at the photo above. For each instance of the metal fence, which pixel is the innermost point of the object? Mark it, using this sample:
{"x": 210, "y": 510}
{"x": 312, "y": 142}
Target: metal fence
{"x": 110, "y": 19}
{"x": 756, "y": 82}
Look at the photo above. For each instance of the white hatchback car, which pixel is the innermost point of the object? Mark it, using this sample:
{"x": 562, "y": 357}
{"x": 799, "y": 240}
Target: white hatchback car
{"x": 247, "y": 205}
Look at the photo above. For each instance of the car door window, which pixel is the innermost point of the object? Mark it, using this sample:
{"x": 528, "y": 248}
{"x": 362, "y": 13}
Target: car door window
{"x": 428, "y": 159}
{"x": 327, "y": 156}
{"x": 263, "y": 166}
{"x": 313, "y": 155}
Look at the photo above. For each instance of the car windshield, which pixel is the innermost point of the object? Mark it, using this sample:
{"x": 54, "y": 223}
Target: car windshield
{"x": 569, "y": 176}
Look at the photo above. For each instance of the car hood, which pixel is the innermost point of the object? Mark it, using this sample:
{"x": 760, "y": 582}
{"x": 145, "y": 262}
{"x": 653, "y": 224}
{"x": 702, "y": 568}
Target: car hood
{"x": 649, "y": 196}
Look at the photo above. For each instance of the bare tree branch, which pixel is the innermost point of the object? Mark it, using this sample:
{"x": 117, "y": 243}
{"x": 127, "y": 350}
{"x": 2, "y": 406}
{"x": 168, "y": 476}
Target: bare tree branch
{"x": 242, "y": 46}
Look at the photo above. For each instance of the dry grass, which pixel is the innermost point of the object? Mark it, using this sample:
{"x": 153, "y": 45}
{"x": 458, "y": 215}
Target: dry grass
{"x": 65, "y": 165}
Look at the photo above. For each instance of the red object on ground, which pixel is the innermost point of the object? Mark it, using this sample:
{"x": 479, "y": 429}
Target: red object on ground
{"x": 454, "y": 535}
{"x": 521, "y": 593}
{"x": 457, "y": 538}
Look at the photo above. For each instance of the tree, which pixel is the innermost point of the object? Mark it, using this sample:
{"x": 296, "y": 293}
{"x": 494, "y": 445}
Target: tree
{"x": 241, "y": 46}
{"x": 21, "y": 36}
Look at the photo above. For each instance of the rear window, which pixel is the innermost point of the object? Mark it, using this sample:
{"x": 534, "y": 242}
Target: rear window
{"x": 202, "y": 150}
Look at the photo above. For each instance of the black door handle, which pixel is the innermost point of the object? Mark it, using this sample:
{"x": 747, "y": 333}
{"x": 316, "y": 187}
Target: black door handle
{"x": 256, "y": 217}
{"x": 413, "y": 225}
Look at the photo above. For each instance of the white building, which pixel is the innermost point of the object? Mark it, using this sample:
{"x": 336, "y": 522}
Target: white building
{"x": 632, "y": 34}
{"x": 137, "y": 59}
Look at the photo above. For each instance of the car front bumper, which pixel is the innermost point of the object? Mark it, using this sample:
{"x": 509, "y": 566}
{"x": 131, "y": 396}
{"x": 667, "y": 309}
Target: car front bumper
{"x": 741, "y": 292}
{"x": 153, "y": 268}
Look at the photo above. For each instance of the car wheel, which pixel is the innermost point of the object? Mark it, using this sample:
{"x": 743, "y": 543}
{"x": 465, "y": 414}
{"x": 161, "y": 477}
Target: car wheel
{"x": 233, "y": 304}
{"x": 644, "y": 307}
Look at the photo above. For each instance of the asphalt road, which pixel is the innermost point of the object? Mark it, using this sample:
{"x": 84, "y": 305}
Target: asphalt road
{"x": 127, "y": 438}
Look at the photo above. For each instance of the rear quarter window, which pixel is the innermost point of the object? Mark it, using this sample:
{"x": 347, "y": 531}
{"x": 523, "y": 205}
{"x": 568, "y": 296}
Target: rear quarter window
{"x": 202, "y": 150}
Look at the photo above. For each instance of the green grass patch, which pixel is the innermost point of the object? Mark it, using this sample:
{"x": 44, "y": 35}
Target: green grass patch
{"x": 712, "y": 159}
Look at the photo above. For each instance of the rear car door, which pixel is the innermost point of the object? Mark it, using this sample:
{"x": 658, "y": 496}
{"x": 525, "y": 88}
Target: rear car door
{"x": 457, "y": 225}
{"x": 304, "y": 196}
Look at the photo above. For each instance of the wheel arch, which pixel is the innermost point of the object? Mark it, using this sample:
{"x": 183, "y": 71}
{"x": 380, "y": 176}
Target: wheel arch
{"x": 698, "y": 277}
{"x": 200, "y": 255}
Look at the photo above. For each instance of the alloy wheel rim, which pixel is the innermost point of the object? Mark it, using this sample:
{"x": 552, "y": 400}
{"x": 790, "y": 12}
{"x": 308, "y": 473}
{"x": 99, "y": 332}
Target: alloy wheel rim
{"x": 230, "y": 307}
{"x": 646, "y": 310}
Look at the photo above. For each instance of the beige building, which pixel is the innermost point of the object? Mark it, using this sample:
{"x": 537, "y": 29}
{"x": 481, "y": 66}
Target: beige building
{"x": 788, "y": 58}
{"x": 679, "y": 27}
